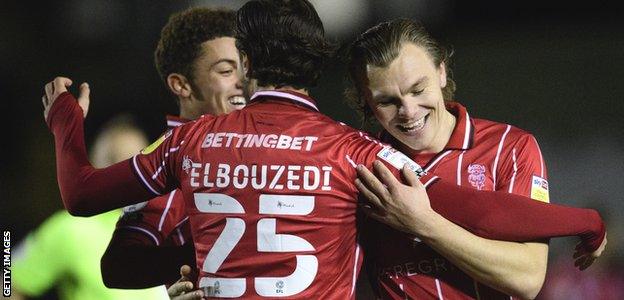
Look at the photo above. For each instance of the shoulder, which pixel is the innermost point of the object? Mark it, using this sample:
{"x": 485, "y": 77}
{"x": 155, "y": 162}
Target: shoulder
{"x": 487, "y": 130}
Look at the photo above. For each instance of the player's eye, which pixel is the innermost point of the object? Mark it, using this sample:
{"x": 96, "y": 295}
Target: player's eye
{"x": 385, "y": 101}
{"x": 416, "y": 92}
{"x": 226, "y": 72}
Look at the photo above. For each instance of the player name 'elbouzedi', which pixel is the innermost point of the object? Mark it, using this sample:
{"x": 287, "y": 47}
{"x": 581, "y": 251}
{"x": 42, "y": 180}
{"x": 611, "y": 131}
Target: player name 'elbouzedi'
{"x": 274, "y": 141}
{"x": 274, "y": 177}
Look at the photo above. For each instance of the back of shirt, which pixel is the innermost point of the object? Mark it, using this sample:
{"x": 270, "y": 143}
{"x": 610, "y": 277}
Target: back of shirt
{"x": 270, "y": 197}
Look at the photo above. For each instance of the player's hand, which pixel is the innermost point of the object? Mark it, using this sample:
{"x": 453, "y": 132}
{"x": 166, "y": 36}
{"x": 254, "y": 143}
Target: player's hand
{"x": 58, "y": 86}
{"x": 183, "y": 288}
{"x": 405, "y": 207}
{"x": 584, "y": 259}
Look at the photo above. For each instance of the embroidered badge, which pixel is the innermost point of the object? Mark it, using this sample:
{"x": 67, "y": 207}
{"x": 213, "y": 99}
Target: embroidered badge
{"x": 187, "y": 164}
{"x": 476, "y": 176}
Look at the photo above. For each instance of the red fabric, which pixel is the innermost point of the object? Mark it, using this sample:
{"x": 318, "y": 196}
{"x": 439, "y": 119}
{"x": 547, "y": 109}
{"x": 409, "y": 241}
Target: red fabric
{"x": 184, "y": 158}
{"x": 481, "y": 155}
{"x": 87, "y": 191}
{"x": 503, "y": 216}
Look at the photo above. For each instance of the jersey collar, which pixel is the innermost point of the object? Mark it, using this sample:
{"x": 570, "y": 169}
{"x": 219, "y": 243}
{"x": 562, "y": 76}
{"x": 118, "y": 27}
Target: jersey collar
{"x": 463, "y": 135}
{"x": 175, "y": 121}
{"x": 287, "y": 96}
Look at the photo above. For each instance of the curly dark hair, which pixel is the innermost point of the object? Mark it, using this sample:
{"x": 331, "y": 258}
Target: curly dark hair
{"x": 379, "y": 46}
{"x": 284, "y": 41}
{"x": 181, "y": 38}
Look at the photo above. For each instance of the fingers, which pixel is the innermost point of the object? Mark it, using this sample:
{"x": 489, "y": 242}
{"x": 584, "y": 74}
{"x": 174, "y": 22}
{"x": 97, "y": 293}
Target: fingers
{"x": 179, "y": 288}
{"x": 60, "y": 85}
{"x": 371, "y": 187}
{"x": 196, "y": 295}
{"x": 49, "y": 90}
{"x": 83, "y": 98}
{"x": 410, "y": 177}
{"x": 584, "y": 262}
{"x": 368, "y": 194}
{"x": 185, "y": 271}
{"x": 385, "y": 176}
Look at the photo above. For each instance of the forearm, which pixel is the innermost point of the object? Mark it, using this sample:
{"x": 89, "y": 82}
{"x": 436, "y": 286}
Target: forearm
{"x": 516, "y": 269}
{"x": 132, "y": 263}
{"x": 85, "y": 190}
{"x": 503, "y": 216}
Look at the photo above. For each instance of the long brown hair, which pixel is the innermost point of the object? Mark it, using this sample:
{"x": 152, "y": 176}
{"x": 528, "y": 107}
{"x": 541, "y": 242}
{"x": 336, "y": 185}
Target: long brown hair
{"x": 379, "y": 46}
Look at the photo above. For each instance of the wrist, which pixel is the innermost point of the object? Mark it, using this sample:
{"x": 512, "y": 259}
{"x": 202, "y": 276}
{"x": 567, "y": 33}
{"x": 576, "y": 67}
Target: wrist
{"x": 62, "y": 104}
{"x": 427, "y": 226}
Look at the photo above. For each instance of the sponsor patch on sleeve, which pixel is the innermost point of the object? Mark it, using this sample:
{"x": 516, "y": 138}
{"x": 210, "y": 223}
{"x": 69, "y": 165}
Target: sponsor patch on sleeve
{"x": 133, "y": 212}
{"x": 539, "y": 189}
{"x": 398, "y": 160}
{"x": 149, "y": 149}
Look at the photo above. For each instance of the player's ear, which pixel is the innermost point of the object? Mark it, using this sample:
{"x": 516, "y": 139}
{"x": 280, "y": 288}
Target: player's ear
{"x": 179, "y": 85}
{"x": 244, "y": 63}
{"x": 442, "y": 72}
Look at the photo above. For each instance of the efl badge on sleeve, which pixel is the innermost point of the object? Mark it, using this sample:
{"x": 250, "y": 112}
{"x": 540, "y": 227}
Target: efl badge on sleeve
{"x": 398, "y": 160}
{"x": 539, "y": 189}
{"x": 149, "y": 149}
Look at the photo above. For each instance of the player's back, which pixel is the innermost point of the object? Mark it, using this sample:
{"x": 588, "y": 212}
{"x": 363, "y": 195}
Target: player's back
{"x": 271, "y": 199}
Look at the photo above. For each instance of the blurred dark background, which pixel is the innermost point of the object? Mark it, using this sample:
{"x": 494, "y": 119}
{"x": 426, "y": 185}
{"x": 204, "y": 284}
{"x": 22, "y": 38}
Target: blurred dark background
{"x": 552, "y": 68}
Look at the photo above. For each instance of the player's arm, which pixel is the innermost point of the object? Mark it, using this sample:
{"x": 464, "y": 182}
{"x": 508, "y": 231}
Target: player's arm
{"x": 85, "y": 190}
{"x": 495, "y": 215}
{"x": 515, "y": 268}
{"x": 133, "y": 260}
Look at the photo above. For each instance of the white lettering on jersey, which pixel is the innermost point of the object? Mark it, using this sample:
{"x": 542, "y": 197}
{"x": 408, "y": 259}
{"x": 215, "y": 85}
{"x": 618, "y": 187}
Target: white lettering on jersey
{"x": 272, "y": 141}
{"x": 274, "y": 177}
{"x": 268, "y": 240}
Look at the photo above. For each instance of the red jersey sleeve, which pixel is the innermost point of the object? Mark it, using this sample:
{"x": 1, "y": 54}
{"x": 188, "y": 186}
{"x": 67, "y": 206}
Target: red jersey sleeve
{"x": 494, "y": 215}
{"x": 85, "y": 190}
{"x": 159, "y": 219}
{"x": 155, "y": 166}
{"x": 523, "y": 170}
{"x": 364, "y": 149}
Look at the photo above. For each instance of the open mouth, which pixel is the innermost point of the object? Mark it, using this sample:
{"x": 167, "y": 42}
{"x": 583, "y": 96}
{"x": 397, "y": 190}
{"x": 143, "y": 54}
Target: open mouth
{"x": 413, "y": 126}
{"x": 238, "y": 101}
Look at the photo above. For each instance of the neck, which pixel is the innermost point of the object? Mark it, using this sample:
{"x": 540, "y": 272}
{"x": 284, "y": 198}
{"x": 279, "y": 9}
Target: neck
{"x": 187, "y": 112}
{"x": 444, "y": 136}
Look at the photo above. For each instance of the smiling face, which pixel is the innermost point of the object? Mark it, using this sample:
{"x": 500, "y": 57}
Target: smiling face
{"x": 217, "y": 79}
{"x": 406, "y": 98}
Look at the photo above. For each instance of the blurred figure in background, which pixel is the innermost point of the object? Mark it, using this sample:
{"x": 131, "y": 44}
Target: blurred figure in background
{"x": 64, "y": 252}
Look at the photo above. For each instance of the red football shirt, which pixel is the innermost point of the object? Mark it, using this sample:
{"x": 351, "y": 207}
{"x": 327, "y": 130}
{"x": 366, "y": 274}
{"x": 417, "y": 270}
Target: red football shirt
{"x": 163, "y": 219}
{"x": 480, "y": 154}
{"x": 270, "y": 195}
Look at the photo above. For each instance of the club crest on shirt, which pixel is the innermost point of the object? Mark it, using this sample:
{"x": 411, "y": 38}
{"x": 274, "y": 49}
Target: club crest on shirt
{"x": 187, "y": 164}
{"x": 476, "y": 175}
{"x": 539, "y": 189}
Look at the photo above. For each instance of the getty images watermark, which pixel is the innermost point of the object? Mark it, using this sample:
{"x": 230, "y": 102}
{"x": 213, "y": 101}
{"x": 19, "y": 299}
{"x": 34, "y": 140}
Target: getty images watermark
{"x": 6, "y": 263}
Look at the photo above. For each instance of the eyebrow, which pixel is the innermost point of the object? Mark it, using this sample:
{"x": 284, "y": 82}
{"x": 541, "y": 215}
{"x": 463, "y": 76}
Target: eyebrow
{"x": 418, "y": 82}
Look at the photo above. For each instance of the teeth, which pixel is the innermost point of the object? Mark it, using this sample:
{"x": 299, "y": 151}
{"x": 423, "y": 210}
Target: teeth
{"x": 415, "y": 125}
{"x": 237, "y": 100}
